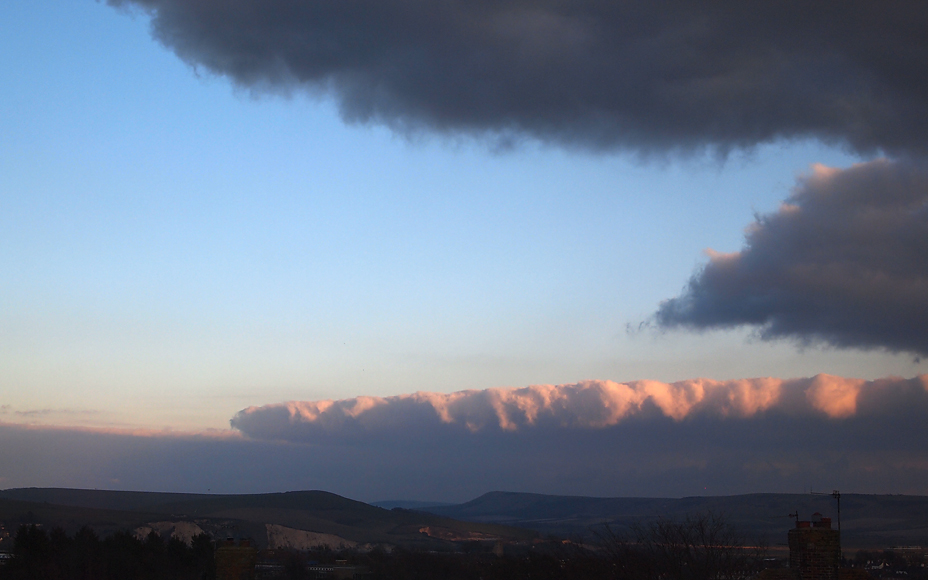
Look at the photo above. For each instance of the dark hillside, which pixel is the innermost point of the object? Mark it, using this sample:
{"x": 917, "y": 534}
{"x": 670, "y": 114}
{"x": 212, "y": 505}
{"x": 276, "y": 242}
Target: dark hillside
{"x": 96, "y": 498}
{"x": 867, "y": 520}
{"x": 14, "y": 513}
{"x": 253, "y": 516}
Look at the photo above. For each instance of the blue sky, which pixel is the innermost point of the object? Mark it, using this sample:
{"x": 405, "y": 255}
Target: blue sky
{"x": 176, "y": 248}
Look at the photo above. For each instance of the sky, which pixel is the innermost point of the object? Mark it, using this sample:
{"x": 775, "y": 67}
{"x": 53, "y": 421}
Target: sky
{"x": 261, "y": 246}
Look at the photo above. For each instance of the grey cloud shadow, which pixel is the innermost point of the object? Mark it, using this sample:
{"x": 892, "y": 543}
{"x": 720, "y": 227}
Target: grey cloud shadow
{"x": 641, "y": 457}
{"x": 595, "y": 74}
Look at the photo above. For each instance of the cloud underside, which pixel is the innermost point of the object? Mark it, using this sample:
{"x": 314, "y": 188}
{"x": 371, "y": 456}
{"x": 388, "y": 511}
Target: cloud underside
{"x": 844, "y": 262}
{"x": 602, "y": 74}
{"x": 689, "y": 438}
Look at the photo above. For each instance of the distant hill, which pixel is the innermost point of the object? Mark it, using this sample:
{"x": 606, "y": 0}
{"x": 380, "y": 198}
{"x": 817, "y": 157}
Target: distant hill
{"x": 94, "y": 498}
{"x": 409, "y": 504}
{"x": 13, "y": 513}
{"x": 866, "y": 520}
{"x": 295, "y": 516}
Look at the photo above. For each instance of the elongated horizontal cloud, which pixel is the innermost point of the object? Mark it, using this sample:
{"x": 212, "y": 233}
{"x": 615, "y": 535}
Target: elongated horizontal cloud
{"x": 607, "y": 438}
{"x": 843, "y": 262}
{"x": 594, "y": 438}
{"x": 650, "y": 76}
{"x": 586, "y": 405}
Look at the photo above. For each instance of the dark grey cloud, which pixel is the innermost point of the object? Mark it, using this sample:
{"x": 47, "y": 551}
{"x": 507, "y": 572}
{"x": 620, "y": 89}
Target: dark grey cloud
{"x": 689, "y": 438}
{"x": 605, "y": 438}
{"x": 647, "y": 76}
{"x": 844, "y": 262}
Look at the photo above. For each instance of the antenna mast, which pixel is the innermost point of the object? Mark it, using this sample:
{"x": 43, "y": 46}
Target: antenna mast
{"x": 837, "y": 495}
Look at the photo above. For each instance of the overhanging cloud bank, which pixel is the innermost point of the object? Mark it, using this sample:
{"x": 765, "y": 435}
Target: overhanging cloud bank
{"x": 843, "y": 262}
{"x": 605, "y": 438}
{"x": 587, "y": 405}
{"x": 594, "y": 438}
{"x": 655, "y": 76}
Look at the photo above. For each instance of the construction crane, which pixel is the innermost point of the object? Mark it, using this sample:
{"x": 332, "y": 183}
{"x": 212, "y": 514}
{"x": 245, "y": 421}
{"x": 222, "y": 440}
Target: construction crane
{"x": 837, "y": 495}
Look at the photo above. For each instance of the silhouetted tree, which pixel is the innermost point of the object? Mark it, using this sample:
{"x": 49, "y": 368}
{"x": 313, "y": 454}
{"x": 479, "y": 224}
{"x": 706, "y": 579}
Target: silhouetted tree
{"x": 703, "y": 547}
{"x": 38, "y": 555}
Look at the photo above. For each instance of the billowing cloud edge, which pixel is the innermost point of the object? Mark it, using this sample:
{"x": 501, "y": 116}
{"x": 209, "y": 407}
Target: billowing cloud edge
{"x": 843, "y": 262}
{"x": 650, "y": 77}
{"x": 586, "y": 405}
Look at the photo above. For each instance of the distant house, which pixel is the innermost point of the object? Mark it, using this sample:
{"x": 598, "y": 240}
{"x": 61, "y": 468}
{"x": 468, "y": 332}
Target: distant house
{"x": 236, "y": 561}
{"x": 340, "y": 570}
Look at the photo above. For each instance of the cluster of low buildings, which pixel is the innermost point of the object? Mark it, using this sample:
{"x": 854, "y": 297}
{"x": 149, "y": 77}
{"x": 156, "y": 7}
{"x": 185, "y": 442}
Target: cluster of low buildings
{"x": 6, "y": 544}
{"x": 240, "y": 560}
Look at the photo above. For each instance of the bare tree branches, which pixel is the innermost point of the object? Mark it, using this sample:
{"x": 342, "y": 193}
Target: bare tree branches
{"x": 701, "y": 547}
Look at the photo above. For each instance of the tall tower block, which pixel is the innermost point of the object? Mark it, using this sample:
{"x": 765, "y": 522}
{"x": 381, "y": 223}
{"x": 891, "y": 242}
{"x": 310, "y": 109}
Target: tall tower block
{"x": 815, "y": 549}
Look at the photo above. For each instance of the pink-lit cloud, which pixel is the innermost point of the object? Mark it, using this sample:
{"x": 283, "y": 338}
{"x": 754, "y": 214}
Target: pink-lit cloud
{"x": 584, "y": 405}
{"x": 601, "y": 438}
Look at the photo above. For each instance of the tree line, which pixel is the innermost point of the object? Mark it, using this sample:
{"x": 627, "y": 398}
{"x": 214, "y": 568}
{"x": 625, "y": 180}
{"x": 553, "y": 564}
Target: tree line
{"x": 697, "y": 548}
{"x": 41, "y": 555}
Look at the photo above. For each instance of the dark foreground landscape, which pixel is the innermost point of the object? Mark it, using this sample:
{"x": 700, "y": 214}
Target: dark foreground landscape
{"x": 65, "y": 533}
